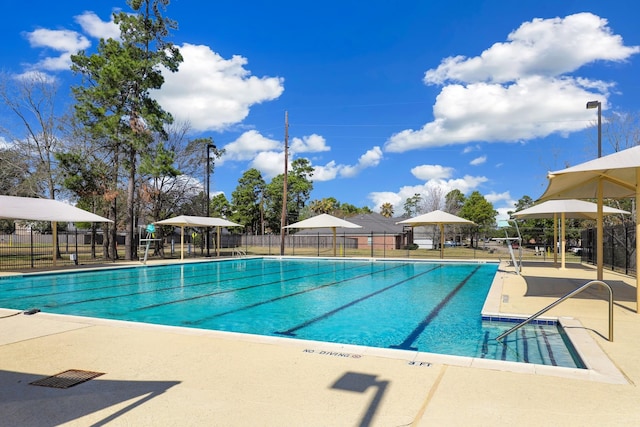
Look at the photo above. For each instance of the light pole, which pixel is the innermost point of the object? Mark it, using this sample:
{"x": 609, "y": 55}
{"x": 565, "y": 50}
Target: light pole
{"x": 598, "y": 105}
{"x": 209, "y": 147}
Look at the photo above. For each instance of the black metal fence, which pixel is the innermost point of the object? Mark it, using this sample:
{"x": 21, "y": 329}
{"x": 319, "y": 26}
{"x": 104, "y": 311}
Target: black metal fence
{"x": 619, "y": 248}
{"x": 31, "y": 250}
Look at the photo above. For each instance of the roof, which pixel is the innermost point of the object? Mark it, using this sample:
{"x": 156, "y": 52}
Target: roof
{"x": 370, "y": 223}
{"x": 571, "y": 208}
{"x": 29, "y": 208}
{"x": 197, "y": 221}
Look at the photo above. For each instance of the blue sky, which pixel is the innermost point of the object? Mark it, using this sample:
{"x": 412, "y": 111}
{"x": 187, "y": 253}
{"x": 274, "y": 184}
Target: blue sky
{"x": 386, "y": 99}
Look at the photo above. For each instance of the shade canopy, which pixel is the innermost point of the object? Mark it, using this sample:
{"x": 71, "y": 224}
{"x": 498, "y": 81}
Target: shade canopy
{"x": 614, "y": 176}
{"x": 325, "y": 221}
{"x": 197, "y": 221}
{"x": 436, "y": 217}
{"x": 439, "y": 218}
{"x": 183, "y": 221}
{"x": 29, "y": 208}
{"x": 616, "y": 172}
{"x": 570, "y": 208}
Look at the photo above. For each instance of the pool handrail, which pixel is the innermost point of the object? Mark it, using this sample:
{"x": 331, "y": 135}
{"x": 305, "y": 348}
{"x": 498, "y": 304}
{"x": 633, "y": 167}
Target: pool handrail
{"x": 567, "y": 296}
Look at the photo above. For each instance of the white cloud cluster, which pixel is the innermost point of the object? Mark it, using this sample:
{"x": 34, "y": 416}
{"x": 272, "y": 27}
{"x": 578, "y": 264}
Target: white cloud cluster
{"x": 267, "y": 155}
{"x": 211, "y": 92}
{"x": 520, "y": 89}
{"x": 68, "y": 42}
{"x": 427, "y": 172}
{"x": 96, "y": 27}
{"x": 371, "y": 158}
{"x": 466, "y": 185}
{"x": 65, "y": 42}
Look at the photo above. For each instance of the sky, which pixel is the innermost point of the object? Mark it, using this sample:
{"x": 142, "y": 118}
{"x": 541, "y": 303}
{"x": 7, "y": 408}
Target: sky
{"x": 385, "y": 99}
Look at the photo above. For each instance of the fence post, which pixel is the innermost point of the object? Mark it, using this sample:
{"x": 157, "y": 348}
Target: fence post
{"x": 372, "y": 244}
{"x": 384, "y": 245}
{"x": 31, "y": 237}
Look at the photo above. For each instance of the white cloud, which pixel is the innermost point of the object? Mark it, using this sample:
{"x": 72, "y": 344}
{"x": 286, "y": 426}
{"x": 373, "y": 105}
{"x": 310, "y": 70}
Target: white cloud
{"x": 470, "y": 148}
{"x": 247, "y": 146}
{"x": 96, "y": 27}
{"x": 332, "y": 170}
{"x": 213, "y": 93}
{"x": 426, "y": 172}
{"x": 269, "y": 163}
{"x": 549, "y": 47}
{"x": 478, "y": 161}
{"x": 466, "y": 185}
{"x": 66, "y": 42}
{"x": 497, "y": 197}
{"x": 502, "y": 203}
{"x": 519, "y": 90}
{"x": 327, "y": 172}
{"x": 309, "y": 144}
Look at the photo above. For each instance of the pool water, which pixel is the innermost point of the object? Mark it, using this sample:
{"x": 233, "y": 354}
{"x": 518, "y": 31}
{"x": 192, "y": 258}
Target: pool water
{"x": 410, "y": 305}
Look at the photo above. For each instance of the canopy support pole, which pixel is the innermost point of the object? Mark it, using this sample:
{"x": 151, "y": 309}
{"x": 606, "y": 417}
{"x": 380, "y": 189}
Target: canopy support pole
{"x": 334, "y": 240}
{"x": 600, "y": 233}
{"x": 637, "y": 241}
{"x": 563, "y": 240}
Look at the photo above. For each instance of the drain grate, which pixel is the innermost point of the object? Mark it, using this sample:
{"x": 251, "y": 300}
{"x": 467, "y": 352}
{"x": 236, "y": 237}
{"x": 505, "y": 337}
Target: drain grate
{"x": 67, "y": 378}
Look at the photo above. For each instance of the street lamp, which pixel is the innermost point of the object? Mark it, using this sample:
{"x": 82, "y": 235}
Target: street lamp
{"x": 598, "y": 105}
{"x": 209, "y": 147}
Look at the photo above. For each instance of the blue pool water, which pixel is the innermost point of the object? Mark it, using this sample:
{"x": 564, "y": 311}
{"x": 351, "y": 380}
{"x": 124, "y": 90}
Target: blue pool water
{"x": 411, "y": 305}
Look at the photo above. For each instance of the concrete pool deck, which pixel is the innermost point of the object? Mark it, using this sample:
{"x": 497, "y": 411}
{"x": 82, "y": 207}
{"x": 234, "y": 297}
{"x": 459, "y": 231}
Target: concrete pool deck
{"x": 162, "y": 376}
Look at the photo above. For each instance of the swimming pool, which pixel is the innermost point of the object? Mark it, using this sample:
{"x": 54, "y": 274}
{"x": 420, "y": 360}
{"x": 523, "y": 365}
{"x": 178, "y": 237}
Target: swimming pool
{"x": 409, "y": 305}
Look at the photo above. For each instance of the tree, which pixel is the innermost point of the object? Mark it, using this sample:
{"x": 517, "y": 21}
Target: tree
{"x": 432, "y": 200}
{"x": 115, "y": 100}
{"x": 386, "y": 210}
{"x": 246, "y": 201}
{"x": 477, "y": 209}
{"x": 299, "y": 187}
{"x": 32, "y": 99}
{"x": 454, "y": 200}
{"x": 220, "y": 206}
{"x": 412, "y": 206}
{"x": 13, "y": 173}
{"x": 326, "y": 205}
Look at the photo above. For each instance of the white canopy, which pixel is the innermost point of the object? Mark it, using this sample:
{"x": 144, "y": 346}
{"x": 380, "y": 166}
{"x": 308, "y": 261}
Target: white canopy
{"x": 325, "y": 221}
{"x": 197, "y": 221}
{"x": 33, "y": 209}
{"x": 439, "y": 218}
{"x": 571, "y": 208}
{"x": 614, "y": 176}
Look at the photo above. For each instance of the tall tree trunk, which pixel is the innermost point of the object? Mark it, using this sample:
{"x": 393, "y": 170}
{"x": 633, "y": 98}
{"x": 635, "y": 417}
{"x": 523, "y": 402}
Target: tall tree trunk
{"x": 131, "y": 191}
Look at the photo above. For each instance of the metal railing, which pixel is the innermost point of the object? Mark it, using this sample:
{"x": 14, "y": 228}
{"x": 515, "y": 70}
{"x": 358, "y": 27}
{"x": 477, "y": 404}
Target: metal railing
{"x": 567, "y": 296}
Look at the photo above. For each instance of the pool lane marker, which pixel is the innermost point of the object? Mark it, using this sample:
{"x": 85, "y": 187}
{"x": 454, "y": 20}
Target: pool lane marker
{"x": 291, "y": 332}
{"x": 244, "y": 288}
{"x": 413, "y": 336}
{"x": 128, "y": 284}
{"x": 326, "y": 285}
{"x": 151, "y": 291}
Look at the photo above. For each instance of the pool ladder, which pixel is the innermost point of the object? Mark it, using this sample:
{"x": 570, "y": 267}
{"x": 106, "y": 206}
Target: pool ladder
{"x": 238, "y": 252}
{"x": 567, "y": 296}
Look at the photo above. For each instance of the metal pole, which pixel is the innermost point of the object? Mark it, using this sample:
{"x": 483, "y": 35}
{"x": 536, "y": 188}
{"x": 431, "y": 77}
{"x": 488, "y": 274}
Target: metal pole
{"x": 209, "y": 147}
{"x": 599, "y": 129}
